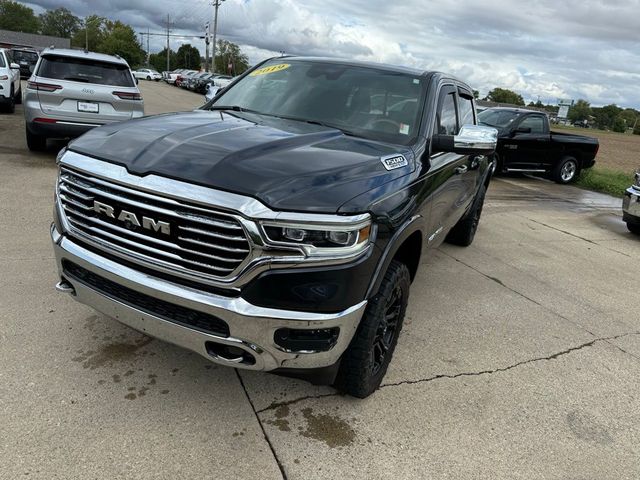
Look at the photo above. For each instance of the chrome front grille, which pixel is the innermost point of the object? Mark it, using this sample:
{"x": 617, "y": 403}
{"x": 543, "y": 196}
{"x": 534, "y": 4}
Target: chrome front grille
{"x": 157, "y": 231}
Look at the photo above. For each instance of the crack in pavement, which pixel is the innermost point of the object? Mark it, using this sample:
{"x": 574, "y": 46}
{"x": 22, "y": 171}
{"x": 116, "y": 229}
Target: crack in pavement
{"x": 554, "y": 356}
{"x": 264, "y": 433}
{"x": 502, "y": 284}
{"x": 579, "y": 237}
{"x": 510, "y": 367}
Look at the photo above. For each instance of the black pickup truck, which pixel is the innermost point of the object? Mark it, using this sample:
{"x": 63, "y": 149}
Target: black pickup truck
{"x": 527, "y": 144}
{"x": 279, "y": 227}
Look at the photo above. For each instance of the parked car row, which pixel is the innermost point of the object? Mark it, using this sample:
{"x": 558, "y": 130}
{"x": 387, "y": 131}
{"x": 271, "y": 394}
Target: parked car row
{"x": 200, "y": 82}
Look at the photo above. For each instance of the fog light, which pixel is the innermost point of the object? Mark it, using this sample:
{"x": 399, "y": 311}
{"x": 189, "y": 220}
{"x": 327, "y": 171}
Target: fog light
{"x": 298, "y": 340}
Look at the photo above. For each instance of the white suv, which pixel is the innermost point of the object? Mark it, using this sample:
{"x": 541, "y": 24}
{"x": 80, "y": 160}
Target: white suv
{"x": 10, "y": 92}
{"x": 72, "y": 91}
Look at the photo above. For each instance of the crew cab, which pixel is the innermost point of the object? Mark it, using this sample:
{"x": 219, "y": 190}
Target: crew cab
{"x": 279, "y": 227}
{"x": 10, "y": 91}
{"x": 527, "y": 144}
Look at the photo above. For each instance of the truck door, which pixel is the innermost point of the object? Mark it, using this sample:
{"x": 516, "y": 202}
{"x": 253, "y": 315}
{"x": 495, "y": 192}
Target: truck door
{"x": 528, "y": 145}
{"x": 450, "y": 173}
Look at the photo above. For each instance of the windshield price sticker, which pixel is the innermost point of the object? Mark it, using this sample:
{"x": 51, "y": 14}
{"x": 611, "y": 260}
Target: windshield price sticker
{"x": 394, "y": 161}
{"x": 270, "y": 69}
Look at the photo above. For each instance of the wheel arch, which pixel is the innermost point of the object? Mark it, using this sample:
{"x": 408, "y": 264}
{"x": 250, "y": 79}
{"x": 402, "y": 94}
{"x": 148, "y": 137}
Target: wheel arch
{"x": 406, "y": 246}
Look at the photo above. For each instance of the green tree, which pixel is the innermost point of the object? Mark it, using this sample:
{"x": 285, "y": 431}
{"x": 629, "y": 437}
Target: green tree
{"x": 476, "y": 94}
{"x": 606, "y": 116}
{"x": 629, "y": 116}
{"x": 619, "y": 125}
{"x": 504, "y": 95}
{"x": 159, "y": 60}
{"x": 92, "y": 30}
{"x": 59, "y": 23}
{"x": 580, "y": 111}
{"x": 187, "y": 56}
{"x": 121, "y": 39}
{"x": 17, "y": 17}
{"x": 230, "y": 59}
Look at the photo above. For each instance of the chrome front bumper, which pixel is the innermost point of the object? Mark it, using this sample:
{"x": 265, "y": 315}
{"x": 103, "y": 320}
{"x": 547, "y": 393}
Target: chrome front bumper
{"x": 631, "y": 202}
{"x": 251, "y": 328}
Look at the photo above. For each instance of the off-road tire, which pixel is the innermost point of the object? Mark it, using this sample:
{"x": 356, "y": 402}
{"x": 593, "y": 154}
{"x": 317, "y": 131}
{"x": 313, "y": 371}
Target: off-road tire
{"x": 463, "y": 232}
{"x": 36, "y": 143}
{"x": 634, "y": 228}
{"x": 362, "y": 369}
{"x": 567, "y": 171}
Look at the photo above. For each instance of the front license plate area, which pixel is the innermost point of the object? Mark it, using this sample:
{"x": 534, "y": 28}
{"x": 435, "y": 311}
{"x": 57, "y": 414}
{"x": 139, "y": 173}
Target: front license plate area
{"x": 89, "y": 107}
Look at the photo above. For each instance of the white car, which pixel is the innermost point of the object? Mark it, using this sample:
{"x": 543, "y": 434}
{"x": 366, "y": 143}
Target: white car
{"x": 222, "y": 80}
{"x": 147, "y": 74}
{"x": 10, "y": 91}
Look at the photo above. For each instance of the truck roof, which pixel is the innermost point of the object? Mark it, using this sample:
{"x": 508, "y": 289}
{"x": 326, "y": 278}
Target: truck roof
{"x": 516, "y": 110}
{"x": 379, "y": 66}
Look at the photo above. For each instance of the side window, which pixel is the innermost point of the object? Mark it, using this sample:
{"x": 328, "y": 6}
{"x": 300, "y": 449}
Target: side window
{"x": 2, "y": 62}
{"x": 447, "y": 118}
{"x": 534, "y": 122}
{"x": 465, "y": 104}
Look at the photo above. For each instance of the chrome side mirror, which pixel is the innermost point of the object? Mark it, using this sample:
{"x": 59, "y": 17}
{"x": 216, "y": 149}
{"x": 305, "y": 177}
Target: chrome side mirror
{"x": 471, "y": 140}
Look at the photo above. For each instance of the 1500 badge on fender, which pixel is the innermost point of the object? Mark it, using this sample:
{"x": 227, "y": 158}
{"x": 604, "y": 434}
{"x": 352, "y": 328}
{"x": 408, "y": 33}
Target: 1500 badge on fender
{"x": 279, "y": 227}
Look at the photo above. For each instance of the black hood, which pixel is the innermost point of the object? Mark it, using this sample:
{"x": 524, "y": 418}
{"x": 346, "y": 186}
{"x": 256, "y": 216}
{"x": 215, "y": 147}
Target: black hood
{"x": 288, "y": 165}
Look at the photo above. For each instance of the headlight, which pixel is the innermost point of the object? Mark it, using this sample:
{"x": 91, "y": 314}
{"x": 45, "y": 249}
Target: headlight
{"x": 320, "y": 240}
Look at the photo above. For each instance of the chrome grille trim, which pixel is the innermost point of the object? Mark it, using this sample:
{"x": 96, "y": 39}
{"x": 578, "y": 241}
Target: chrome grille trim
{"x": 202, "y": 243}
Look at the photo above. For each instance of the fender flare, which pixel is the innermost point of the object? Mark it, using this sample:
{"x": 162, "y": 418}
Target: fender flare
{"x": 407, "y": 229}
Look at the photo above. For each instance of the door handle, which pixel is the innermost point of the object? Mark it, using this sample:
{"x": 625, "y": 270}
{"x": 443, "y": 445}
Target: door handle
{"x": 461, "y": 170}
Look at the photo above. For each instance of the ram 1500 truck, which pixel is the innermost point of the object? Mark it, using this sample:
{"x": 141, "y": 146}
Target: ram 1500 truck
{"x": 279, "y": 227}
{"x": 527, "y": 144}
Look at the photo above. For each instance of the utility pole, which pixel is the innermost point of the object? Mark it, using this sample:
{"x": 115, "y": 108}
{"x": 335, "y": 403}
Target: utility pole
{"x": 168, "y": 33}
{"x": 148, "y": 51}
{"x": 206, "y": 43}
{"x": 216, "y": 4}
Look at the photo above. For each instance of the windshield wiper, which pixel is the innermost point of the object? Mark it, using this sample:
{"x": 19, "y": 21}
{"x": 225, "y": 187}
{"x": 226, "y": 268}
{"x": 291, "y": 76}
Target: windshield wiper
{"x": 317, "y": 122}
{"x": 235, "y": 108}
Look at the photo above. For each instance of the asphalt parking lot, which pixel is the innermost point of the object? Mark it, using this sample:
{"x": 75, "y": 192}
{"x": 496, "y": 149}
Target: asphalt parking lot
{"x": 519, "y": 359}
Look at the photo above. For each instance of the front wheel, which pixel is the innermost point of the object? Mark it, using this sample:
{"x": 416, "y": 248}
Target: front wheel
{"x": 365, "y": 362}
{"x": 566, "y": 171}
{"x": 634, "y": 228}
{"x": 19, "y": 96}
{"x": 148, "y": 77}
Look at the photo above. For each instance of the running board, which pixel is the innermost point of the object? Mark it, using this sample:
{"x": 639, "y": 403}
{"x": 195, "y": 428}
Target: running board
{"x": 526, "y": 170}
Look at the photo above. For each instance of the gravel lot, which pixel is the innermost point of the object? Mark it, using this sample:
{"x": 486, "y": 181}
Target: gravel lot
{"x": 520, "y": 359}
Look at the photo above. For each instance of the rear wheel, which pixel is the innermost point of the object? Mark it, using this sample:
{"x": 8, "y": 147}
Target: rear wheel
{"x": 365, "y": 362}
{"x": 634, "y": 228}
{"x": 464, "y": 231}
{"x": 566, "y": 171}
{"x": 36, "y": 143}
{"x": 10, "y": 106}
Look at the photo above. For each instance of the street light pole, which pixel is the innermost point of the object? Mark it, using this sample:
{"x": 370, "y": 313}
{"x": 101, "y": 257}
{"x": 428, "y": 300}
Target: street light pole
{"x": 216, "y": 4}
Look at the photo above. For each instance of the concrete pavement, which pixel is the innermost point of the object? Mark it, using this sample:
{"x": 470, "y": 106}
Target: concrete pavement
{"x": 519, "y": 358}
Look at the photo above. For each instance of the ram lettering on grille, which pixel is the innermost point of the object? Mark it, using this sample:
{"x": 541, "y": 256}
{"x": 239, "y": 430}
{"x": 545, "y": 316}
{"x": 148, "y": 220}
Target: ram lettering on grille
{"x": 129, "y": 218}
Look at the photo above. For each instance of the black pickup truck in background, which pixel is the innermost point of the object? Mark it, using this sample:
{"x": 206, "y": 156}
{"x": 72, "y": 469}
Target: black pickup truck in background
{"x": 527, "y": 144}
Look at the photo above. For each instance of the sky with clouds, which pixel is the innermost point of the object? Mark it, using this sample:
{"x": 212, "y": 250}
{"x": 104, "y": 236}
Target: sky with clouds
{"x": 540, "y": 48}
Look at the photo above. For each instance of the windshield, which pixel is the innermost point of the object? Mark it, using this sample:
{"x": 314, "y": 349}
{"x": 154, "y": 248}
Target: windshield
{"x": 497, "y": 118}
{"x": 85, "y": 70}
{"x": 361, "y": 101}
{"x": 22, "y": 56}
